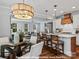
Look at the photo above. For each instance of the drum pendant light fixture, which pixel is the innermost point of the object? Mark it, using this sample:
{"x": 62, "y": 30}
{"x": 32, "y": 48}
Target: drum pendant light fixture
{"x": 22, "y": 11}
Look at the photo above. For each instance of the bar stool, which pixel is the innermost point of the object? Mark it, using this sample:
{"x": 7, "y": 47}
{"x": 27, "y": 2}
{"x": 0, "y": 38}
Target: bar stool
{"x": 47, "y": 40}
{"x": 57, "y": 44}
{"x": 39, "y": 37}
{"x": 44, "y": 38}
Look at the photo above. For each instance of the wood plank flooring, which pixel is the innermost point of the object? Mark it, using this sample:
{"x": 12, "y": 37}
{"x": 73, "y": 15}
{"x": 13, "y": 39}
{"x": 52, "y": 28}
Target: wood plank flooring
{"x": 48, "y": 53}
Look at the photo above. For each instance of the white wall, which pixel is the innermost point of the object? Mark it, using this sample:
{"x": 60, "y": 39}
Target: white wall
{"x": 4, "y": 22}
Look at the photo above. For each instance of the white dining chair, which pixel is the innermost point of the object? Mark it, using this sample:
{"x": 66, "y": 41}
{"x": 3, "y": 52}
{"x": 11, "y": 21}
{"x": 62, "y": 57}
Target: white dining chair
{"x": 33, "y": 39}
{"x": 34, "y": 52}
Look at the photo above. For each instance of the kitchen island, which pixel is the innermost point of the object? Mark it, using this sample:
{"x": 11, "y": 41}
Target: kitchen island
{"x": 69, "y": 42}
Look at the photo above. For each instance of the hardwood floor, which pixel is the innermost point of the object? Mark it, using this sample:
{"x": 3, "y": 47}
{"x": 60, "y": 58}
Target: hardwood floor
{"x": 48, "y": 53}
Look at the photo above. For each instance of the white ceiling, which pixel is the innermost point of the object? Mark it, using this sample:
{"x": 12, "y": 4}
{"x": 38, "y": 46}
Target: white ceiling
{"x": 41, "y": 5}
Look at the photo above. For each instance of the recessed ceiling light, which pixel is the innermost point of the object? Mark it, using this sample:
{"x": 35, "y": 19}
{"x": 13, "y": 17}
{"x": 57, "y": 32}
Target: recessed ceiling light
{"x": 73, "y": 7}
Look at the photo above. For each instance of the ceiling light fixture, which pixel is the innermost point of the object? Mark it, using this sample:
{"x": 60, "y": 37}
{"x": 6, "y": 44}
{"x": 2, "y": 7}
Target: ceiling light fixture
{"x": 22, "y": 11}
